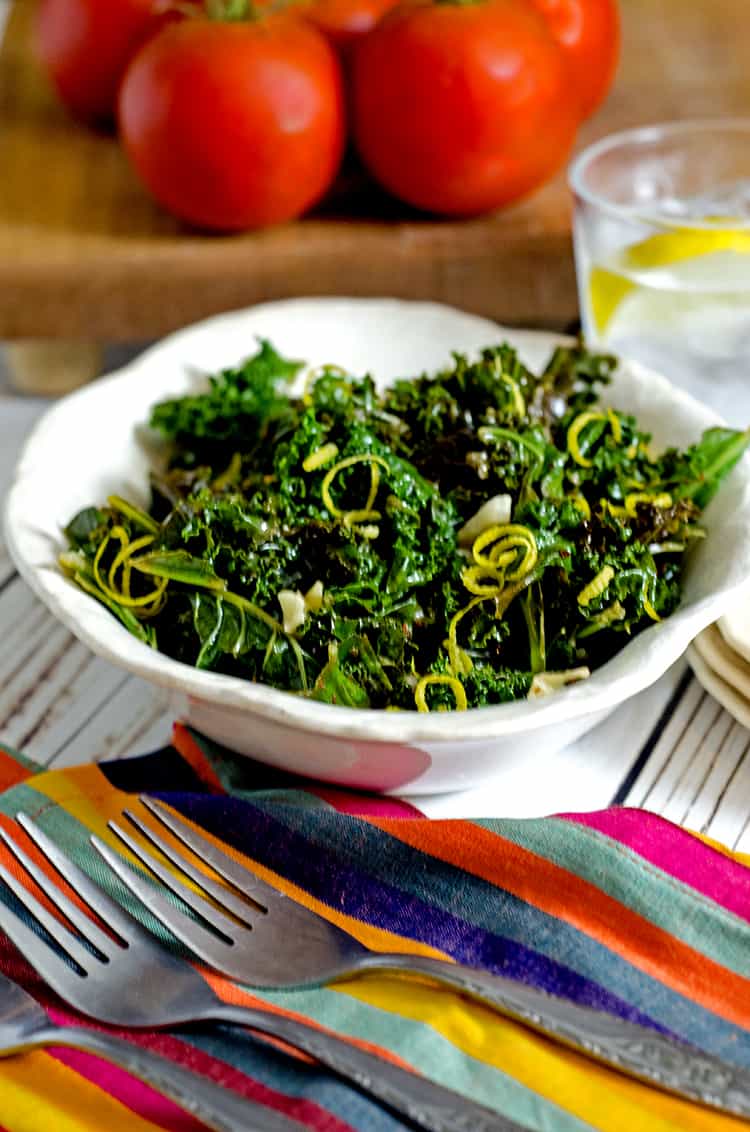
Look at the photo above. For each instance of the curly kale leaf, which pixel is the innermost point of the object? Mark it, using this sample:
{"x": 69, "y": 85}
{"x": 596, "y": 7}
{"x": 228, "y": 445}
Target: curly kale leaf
{"x": 312, "y": 543}
{"x": 414, "y": 537}
{"x": 569, "y": 380}
{"x": 238, "y": 407}
{"x": 697, "y": 473}
{"x": 485, "y": 684}
{"x": 86, "y": 529}
{"x": 460, "y": 398}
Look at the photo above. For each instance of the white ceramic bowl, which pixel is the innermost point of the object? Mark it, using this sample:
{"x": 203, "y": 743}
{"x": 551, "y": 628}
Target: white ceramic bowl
{"x": 87, "y": 447}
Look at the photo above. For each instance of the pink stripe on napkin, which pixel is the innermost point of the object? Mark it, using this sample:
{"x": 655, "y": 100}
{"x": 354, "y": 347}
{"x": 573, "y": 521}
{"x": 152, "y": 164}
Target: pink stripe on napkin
{"x": 129, "y": 1091}
{"x": 677, "y": 852}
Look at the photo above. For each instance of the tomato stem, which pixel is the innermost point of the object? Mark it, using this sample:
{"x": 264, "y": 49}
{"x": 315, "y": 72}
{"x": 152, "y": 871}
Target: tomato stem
{"x": 230, "y": 10}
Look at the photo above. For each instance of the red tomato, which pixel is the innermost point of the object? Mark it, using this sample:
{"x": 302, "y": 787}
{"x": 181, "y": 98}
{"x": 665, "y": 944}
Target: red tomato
{"x": 343, "y": 22}
{"x": 85, "y": 46}
{"x": 588, "y": 31}
{"x": 238, "y": 124}
{"x": 460, "y": 108}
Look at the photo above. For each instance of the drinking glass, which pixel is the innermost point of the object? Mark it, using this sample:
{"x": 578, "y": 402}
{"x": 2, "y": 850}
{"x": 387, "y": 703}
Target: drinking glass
{"x": 662, "y": 245}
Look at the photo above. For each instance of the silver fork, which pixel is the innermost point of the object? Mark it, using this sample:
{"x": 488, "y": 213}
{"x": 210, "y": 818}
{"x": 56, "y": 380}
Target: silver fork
{"x": 25, "y": 1026}
{"x": 276, "y": 942}
{"x": 134, "y": 981}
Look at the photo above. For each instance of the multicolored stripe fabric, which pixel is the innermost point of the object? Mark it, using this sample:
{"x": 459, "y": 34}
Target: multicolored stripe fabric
{"x": 619, "y": 910}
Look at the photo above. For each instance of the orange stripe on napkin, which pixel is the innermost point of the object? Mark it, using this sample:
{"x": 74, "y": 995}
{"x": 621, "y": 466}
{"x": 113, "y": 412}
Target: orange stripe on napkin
{"x": 17, "y": 870}
{"x": 184, "y": 742}
{"x": 559, "y": 893}
{"x": 231, "y": 993}
{"x": 11, "y": 771}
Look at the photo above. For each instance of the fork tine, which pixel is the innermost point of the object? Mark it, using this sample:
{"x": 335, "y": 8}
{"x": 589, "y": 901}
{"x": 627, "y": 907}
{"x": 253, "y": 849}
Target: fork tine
{"x": 85, "y": 925}
{"x": 39, "y": 954}
{"x": 218, "y": 892}
{"x": 107, "y": 909}
{"x": 214, "y": 950}
{"x": 62, "y": 936}
{"x": 237, "y": 875}
{"x": 197, "y": 903}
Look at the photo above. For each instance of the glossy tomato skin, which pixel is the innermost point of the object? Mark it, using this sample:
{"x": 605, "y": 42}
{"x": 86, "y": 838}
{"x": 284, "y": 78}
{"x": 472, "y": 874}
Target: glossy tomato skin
{"x": 461, "y": 108}
{"x": 588, "y": 33}
{"x": 344, "y": 22}
{"x": 235, "y": 125}
{"x": 86, "y": 45}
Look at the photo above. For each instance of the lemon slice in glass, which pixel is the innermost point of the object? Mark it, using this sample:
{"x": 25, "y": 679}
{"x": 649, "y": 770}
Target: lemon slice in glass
{"x": 628, "y": 272}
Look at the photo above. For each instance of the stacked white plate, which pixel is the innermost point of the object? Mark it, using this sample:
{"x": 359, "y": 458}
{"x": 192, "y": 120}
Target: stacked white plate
{"x": 720, "y": 658}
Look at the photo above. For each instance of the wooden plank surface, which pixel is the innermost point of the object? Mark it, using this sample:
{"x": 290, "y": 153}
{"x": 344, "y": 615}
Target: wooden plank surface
{"x": 85, "y": 254}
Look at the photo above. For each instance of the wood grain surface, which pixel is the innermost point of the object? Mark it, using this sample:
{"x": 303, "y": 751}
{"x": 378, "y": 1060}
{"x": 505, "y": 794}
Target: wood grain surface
{"x": 84, "y": 254}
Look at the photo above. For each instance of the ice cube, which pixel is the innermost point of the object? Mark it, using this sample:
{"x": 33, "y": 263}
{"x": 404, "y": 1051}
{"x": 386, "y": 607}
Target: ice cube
{"x": 724, "y": 202}
{"x": 675, "y": 208}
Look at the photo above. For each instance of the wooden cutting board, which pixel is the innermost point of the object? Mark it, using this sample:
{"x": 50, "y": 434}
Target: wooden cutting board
{"x": 84, "y": 254}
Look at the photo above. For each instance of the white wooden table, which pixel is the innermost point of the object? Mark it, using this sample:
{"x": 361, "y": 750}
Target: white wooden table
{"x": 672, "y": 749}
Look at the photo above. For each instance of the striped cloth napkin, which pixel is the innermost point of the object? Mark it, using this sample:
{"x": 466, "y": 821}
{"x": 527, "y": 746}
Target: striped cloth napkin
{"x": 619, "y": 910}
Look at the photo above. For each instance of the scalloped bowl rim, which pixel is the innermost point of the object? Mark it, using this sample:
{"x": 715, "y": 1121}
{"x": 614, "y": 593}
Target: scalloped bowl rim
{"x": 94, "y": 626}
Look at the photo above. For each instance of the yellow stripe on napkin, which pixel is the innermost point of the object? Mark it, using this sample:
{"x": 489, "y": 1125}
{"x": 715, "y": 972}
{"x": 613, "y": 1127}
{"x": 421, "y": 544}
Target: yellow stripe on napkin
{"x": 37, "y": 1092}
{"x": 607, "y": 1100}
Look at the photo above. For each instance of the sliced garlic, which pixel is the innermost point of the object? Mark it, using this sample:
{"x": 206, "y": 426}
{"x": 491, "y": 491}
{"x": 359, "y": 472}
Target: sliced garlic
{"x": 293, "y": 609}
{"x": 546, "y": 682}
{"x": 314, "y": 597}
{"x": 295, "y": 606}
{"x": 495, "y": 511}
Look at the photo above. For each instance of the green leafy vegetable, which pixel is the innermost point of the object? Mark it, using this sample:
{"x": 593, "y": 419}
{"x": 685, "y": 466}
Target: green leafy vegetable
{"x": 316, "y": 542}
{"x": 178, "y": 566}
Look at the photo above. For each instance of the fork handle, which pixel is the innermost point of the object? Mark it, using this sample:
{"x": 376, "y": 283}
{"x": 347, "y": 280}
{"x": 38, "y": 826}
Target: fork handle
{"x": 218, "y": 1108}
{"x": 423, "y": 1102}
{"x": 631, "y": 1048}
